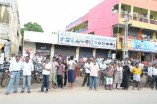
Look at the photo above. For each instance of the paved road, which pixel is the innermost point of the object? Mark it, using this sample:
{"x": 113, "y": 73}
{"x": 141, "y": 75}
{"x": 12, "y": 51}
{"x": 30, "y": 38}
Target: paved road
{"x": 80, "y": 95}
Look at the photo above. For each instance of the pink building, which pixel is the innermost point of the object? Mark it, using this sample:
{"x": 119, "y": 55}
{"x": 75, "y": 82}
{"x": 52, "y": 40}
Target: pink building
{"x": 98, "y": 20}
{"x": 108, "y": 19}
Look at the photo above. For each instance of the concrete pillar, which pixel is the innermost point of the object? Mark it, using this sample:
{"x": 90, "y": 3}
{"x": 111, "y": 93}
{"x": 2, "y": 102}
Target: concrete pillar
{"x": 119, "y": 10}
{"x": 109, "y": 53}
{"x": 77, "y": 53}
{"x": 94, "y": 53}
{"x": 139, "y": 54}
{"x": 132, "y": 12}
{"x": 52, "y": 50}
{"x": 154, "y": 36}
{"x": 148, "y": 16}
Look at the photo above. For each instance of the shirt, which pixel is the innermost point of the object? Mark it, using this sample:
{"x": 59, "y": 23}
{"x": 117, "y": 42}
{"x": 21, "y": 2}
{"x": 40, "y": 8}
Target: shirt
{"x": 94, "y": 70}
{"x": 154, "y": 72}
{"x": 87, "y": 67}
{"x": 54, "y": 66}
{"x": 27, "y": 68}
{"x": 150, "y": 71}
{"x": 103, "y": 66}
{"x": 71, "y": 64}
{"x": 136, "y": 70}
{"x": 99, "y": 60}
{"x": 47, "y": 66}
{"x": 15, "y": 66}
{"x": 108, "y": 61}
{"x": 61, "y": 69}
{"x": 119, "y": 69}
{"x": 39, "y": 59}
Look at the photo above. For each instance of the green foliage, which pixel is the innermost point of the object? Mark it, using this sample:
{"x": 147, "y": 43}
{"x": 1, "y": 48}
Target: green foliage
{"x": 31, "y": 27}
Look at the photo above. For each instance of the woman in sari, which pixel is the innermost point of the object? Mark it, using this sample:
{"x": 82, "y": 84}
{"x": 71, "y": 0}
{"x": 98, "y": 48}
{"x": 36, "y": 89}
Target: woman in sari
{"x": 109, "y": 77}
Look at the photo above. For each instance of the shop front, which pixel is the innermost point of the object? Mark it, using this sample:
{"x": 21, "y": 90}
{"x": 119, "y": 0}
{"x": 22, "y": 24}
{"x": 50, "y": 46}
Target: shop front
{"x": 143, "y": 50}
{"x": 65, "y": 50}
{"x": 86, "y": 52}
{"x": 36, "y": 42}
{"x": 101, "y": 52}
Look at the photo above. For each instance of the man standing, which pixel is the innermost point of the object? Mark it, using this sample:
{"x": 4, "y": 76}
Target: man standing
{"x": 154, "y": 74}
{"x": 53, "y": 73}
{"x": 7, "y": 47}
{"x": 27, "y": 69}
{"x": 94, "y": 74}
{"x": 87, "y": 74}
{"x": 15, "y": 68}
{"x": 102, "y": 72}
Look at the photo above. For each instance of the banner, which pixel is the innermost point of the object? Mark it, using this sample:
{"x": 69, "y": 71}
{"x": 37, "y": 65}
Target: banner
{"x": 144, "y": 46}
{"x": 86, "y": 40}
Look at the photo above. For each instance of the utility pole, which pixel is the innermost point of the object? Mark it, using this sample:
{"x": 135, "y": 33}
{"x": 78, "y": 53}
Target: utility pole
{"x": 125, "y": 46}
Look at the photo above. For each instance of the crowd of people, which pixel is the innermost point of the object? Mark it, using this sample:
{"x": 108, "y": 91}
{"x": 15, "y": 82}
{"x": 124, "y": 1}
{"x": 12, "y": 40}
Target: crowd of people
{"x": 113, "y": 74}
{"x": 116, "y": 74}
{"x": 55, "y": 72}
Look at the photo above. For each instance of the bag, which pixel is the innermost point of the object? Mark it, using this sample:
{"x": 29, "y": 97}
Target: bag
{"x": 109, "y": 81}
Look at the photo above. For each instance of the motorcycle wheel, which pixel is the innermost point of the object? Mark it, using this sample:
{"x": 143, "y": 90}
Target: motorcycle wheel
{"x": 39, "y": 78}
{"x": 5, "y": 80}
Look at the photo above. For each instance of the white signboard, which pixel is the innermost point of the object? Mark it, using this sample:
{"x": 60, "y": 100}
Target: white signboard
{"x": 39, "y": 37}
{"x": 86, "y": 40}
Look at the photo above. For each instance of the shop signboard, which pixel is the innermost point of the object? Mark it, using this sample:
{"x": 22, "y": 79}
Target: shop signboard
{"x": 86, "y": 40}
{"x": 39, "y": 37}
{"x": 43, "y": 48}
{"x": 144, "y": 46}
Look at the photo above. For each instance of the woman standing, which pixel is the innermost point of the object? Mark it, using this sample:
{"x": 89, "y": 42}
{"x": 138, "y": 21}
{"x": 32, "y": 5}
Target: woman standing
{"x": 109, "y": 77}
{"x": 126, "y": 76}
{"x": 71, "y": 68}
{"x": 76, "y": 69}
{"x": 46, "y": 74}
{"x": 118, "y": 76}
{"x": 136, "y": 76}
{"x": 65, "y": 72}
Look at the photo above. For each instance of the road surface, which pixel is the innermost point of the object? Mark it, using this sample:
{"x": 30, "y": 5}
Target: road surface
{"x": 80, "y": 95}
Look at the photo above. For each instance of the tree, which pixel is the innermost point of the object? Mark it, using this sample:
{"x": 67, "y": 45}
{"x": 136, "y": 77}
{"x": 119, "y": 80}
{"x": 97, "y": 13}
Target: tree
{"x": 31, "y": 27}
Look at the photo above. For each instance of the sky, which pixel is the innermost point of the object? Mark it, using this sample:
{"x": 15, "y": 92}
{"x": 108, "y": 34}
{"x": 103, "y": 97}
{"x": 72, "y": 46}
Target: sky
{"x": 53, "y": 15}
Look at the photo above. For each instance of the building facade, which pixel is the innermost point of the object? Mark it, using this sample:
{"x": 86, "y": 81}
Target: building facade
{"x": 67, "y": 44}
{"x": 10, "y": 25}
{"x": 109, "y": 19}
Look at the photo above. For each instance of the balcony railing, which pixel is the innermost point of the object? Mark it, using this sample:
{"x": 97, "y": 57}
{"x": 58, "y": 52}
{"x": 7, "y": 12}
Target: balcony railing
{"x": 82, "y": 30}
{"x": 153, "y": 22}
{"x": 125, "y": 15}
{"x": 140, "y": 19}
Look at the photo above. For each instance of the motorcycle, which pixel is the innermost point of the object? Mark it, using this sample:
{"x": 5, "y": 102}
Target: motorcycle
{"x": 37, "y": 73}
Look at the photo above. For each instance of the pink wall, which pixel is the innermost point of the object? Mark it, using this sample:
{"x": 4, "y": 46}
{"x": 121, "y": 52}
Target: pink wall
{"x": 101, "y": 19}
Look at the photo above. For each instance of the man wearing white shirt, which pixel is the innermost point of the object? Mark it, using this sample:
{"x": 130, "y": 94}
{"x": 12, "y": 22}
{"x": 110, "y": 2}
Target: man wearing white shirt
{"x": 87, "y": 74}
{"x": 15, "y": 68}
{"x": 101, "y": 72}
{"x": 149, "y": 77}
{"x": 94, "y": 68}
{"x": 47, "y": 66}
{"x": 27, "y": 69}
{"x": 154, "y": 73}
{"x": 108, "y": 61}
